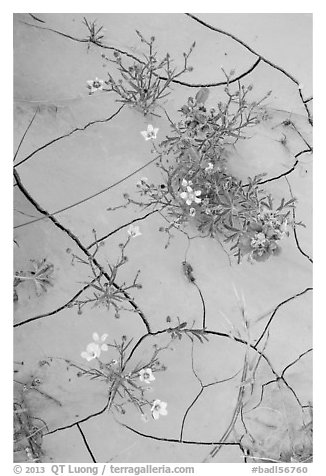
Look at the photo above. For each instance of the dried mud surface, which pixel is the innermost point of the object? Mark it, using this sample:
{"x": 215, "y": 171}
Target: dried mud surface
{"x": 75, "y": 156}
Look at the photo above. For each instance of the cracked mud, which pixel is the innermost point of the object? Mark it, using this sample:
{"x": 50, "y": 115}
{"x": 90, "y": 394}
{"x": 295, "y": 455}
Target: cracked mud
{"x": 229, "y": 344}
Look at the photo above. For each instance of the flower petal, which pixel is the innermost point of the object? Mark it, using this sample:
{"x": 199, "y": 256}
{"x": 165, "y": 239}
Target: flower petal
{"x": 104, "y": 337}
{"x": 163, "y": 405}
{"x": 104, "y": 347}
{"x": 93, "y": 349}
{"x": 183, "y": 195}
{"x": 95, "y": 337}
{"x": 144, "y": 134}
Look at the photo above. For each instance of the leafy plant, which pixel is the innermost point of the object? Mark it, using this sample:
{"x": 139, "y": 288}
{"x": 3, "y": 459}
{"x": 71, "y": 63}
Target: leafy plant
{"x": 106, "y": 293}
{"x": 28, "y": 433}
{"x": 94, "y": 33}
{"x": 125, "y": 387}
{"x": 181, "y": 329}
{"x": 144, "y": 83}
{"x": 40, "y": 276}
{"x": 197, "y": 187}
{"x": 207, "y": 132}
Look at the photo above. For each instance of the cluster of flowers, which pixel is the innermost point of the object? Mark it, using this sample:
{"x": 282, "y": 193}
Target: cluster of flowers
{"x": 262, "y": 237}
{"x": 212, "y": 186}
{"x": 94, "y": 350}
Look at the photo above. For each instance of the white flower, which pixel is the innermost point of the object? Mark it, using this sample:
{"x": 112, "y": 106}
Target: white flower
{"x": 92, "y": 352}
{"x": 151, "y": 132}
{"x": 94, "y": 349}
{"x": 258, "y": 240}
{"x": 209, "y": 167}
{"x": 192, "y": 212}
{"x": 158, "y": 408}
{"x": 190, "y": 196}
{"x": 133, "y": 231}
{"x": 95, "y": 85}
{"x": 146, "y": 375}
{"x": 185, "y": 183}
{"x": 100, "y": 340}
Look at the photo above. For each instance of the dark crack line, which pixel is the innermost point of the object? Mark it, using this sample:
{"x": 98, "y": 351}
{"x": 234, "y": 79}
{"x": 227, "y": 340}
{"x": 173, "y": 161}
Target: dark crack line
{"x": 281, "y": 377}
{"x": 187, "y": 411}
{"x": 294, "y": 127}
{"x": 84, "y": 40}
{"x": 51, "y": 313}
{"x": 295, "y": 227}
{"x": 183, "y": 83}
{"x": 36, "y": 18}
{"x": 104, "y": 237}
{"x": 275, "y": 311}
{"x": 81, "y": 247}
{"x": 71, "y": 425}
{"x": 135, "y": 347}
{"x": 164, "y": 78}
{"x": 77, "y": 129}
{"x": 197, "y": 396}
{"x": 174, "y": 440}
{"x": 291, "y": 390}
{"x": 262, "y": 394}
{"x": 295, "y": 361}
{"x": 203, "y": 304}
{"x": 86, "y": 443}
{"x": 308, "y": 100}
{"x": 24, "y": 135}
{"x": 306, "y": 108}
{"x": 265, "y": 60}
{"x": 203, "y": 387}
{"x": 206, "y": 331}
{"x": 49, "y": 215}
{"x": 245, "y": 45}
{"x": 297, "y": 240}
{"x": 23, "y": 213}
{"x": 220, "y": 83}
{"x": 111, "y": 393}
{"x": 284, "y": 174}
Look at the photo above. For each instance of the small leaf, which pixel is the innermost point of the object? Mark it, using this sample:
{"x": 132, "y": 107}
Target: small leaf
{"x": 202, "y": 95}
{"x": 182, "y": 325}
